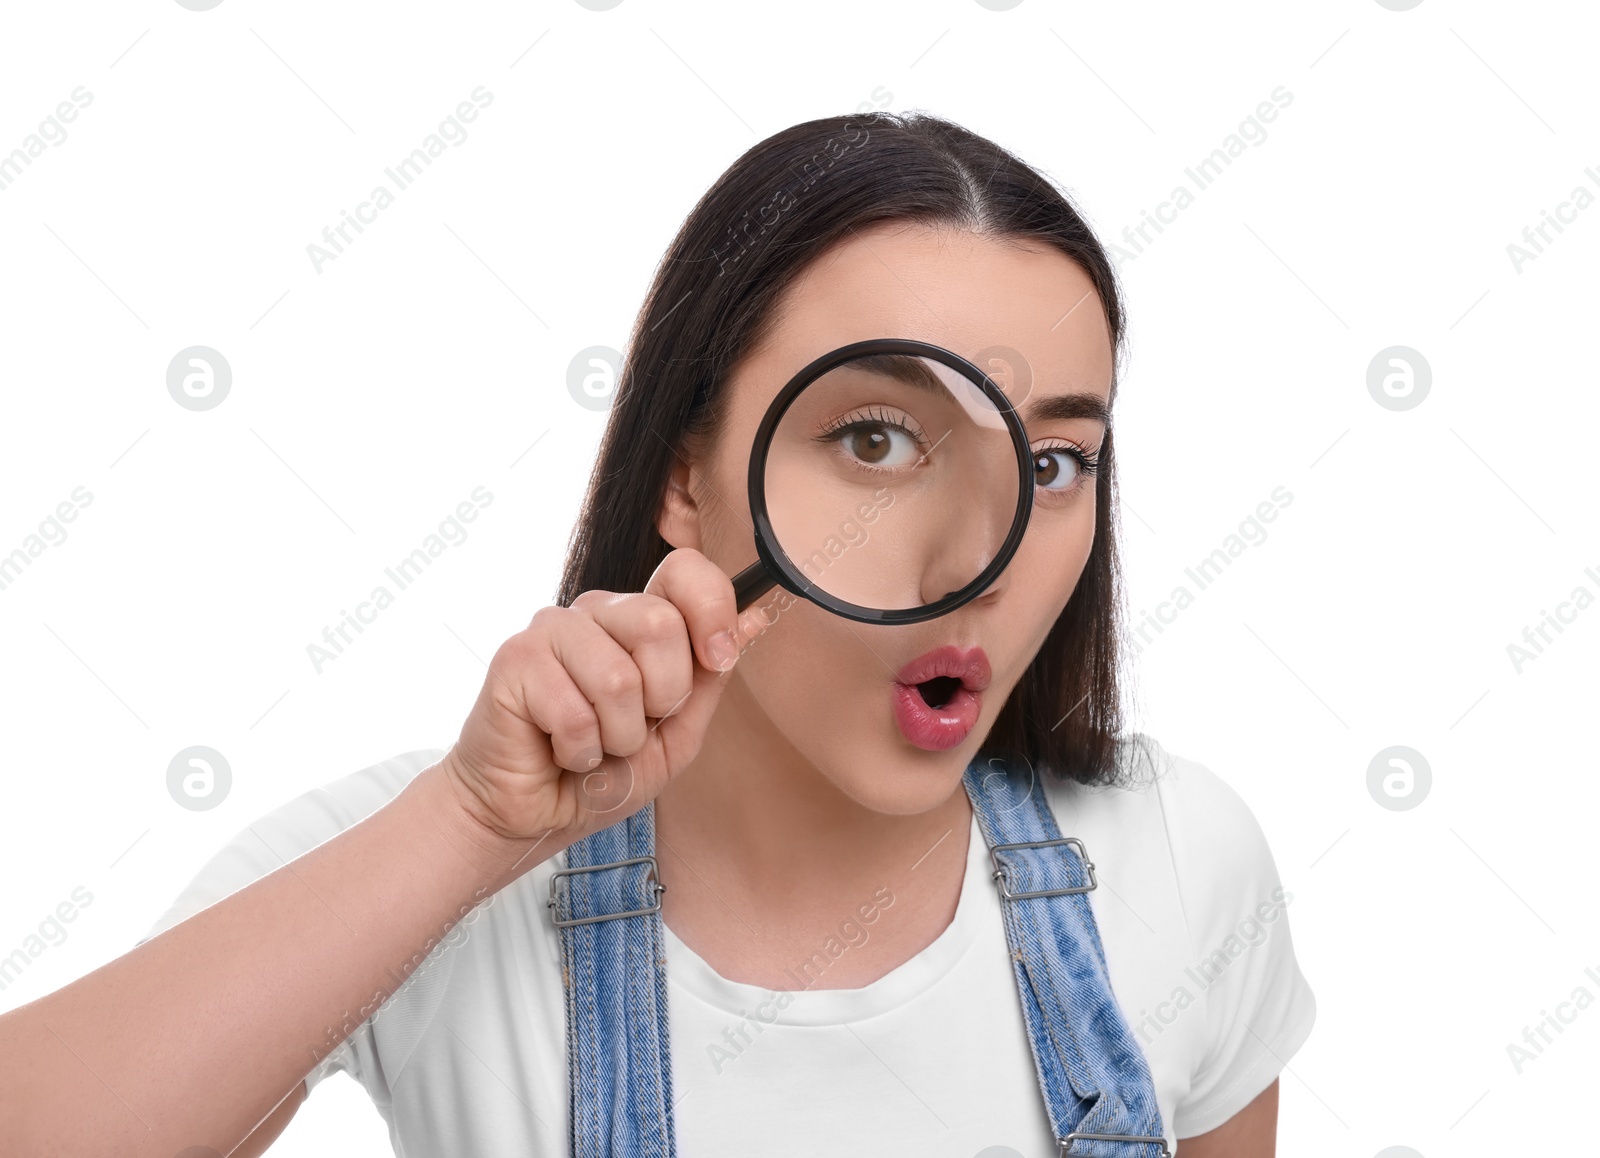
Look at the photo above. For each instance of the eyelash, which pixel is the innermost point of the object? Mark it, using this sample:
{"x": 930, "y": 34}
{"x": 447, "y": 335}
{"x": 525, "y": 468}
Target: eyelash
{"x": 872, "y": 416}
{"x": 1088, "y": 463}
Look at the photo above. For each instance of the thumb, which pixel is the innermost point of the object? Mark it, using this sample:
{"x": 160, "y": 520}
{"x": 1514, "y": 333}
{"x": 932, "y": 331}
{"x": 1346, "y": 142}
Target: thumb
{"x": 683, "y": 731}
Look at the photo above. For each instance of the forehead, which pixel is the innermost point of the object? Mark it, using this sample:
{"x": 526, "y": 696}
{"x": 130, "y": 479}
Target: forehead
{"x": 992, "y": 300}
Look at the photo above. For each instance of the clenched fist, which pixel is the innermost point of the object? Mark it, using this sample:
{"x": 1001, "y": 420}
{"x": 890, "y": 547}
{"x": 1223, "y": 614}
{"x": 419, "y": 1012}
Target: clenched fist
{"x": 589, "y": 711}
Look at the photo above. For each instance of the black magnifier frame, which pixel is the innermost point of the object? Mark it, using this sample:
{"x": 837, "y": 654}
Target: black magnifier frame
{"x": 773, "y": 566}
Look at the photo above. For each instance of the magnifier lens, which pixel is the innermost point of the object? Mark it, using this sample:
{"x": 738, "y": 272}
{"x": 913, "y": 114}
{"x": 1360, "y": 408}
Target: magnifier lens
{"x": 891, "y": 481}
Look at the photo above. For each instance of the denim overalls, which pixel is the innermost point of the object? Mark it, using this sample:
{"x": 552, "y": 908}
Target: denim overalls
{"x": 1094, "y": 1077}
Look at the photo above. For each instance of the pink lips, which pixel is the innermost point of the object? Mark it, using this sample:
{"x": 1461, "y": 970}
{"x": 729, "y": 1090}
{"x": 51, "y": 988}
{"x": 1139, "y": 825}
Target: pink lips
{"x": 935, "y": 729}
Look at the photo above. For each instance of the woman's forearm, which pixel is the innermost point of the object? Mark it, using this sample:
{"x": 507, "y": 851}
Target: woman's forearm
{"x": 192, "y": 1038}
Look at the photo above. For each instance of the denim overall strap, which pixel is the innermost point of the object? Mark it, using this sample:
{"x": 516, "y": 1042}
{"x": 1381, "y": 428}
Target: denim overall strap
{"x": 1096, "y": 1081}
{"x": 606, "y": 903}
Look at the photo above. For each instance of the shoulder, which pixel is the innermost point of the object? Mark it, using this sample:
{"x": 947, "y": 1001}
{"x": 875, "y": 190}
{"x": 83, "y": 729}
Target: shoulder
{"x": 1193, "y": 888}
{"x": 1217, "y": 853}
{"x": 1214, "y": 837}
{"x": 294, "y": 828}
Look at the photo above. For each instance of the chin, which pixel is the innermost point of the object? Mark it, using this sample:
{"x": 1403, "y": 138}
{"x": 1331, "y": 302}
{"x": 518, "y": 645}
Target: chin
{"x": 897, "y": 779}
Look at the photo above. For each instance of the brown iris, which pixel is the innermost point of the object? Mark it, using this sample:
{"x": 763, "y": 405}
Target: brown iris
{"x": 870, "y": 445}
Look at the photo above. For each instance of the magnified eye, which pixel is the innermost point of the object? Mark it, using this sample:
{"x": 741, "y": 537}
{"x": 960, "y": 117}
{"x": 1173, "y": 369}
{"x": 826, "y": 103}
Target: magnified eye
{"x": 879, "y": 445}
{"x": 878, "y": 440}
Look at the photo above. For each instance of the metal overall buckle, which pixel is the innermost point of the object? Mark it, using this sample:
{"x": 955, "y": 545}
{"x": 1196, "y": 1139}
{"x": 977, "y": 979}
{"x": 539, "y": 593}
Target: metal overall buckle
{"x": 1154, "y": 1140}
{"x": 654, "y": 875}
{"x": 1007, "y": 894}
{"x": 1065, "y": 1144}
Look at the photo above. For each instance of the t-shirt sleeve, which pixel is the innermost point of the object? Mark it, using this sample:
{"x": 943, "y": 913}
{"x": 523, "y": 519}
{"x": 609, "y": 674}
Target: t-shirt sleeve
{"x": 1259, "y": 1009}
{"x": 273, "y": 840}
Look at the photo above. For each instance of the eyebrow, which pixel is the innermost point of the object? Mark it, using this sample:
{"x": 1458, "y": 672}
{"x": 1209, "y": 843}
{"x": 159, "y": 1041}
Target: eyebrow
{"x": 1065, "y": 406}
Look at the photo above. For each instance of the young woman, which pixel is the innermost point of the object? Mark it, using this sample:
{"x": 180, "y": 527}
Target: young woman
{"x": 844, "y": 971}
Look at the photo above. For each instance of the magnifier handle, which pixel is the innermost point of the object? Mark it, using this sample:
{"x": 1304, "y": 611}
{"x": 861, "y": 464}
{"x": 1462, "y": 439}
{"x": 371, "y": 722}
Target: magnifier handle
{"x": 751, "y": 584}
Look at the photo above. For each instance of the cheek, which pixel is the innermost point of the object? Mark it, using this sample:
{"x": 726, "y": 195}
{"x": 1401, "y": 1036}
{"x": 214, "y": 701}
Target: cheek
{"x": 1079, "y": 541}
{"x": 781, "y": 664}
{"x": 726, "y": 536}
{"x": 1052, "y": 557}
{"x": 810, "y": 676}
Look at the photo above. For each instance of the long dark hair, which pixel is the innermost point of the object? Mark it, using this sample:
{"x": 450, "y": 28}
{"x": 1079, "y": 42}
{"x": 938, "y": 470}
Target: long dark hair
{"x": 777, "y": 208}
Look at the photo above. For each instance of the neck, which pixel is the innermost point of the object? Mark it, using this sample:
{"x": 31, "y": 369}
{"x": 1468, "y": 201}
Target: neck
{"x": 752, "y": 826}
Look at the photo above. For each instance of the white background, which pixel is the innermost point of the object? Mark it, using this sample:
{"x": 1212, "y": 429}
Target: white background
{"x": 369, "y": 398}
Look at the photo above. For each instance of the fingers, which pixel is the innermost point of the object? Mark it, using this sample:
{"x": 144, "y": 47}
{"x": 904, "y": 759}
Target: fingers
{"x": 684, "y": 731}
{"x": 609, "y": 679}
{"x": 528, "y": 668}
{"x": 654, "y": 634}
{"x": 600, "y": 675}
{"x": 704, "y": 597}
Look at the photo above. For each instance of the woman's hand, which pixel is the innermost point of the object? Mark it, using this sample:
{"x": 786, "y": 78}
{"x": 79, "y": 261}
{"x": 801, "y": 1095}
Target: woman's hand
{"x": 588, "y": 712}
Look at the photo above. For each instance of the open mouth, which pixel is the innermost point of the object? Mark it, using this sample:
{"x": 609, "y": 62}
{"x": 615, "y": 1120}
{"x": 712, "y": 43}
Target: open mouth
{"x": 937, "y": 697}
{"x": 939, "y": 691}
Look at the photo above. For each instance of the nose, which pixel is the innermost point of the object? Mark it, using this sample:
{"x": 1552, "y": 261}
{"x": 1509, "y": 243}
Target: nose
{"x": 965, "y": 546}
{"x": 950, "y": 570}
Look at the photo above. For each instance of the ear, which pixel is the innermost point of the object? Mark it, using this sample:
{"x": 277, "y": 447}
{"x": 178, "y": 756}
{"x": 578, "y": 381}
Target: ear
{"x": 678, "y": 520}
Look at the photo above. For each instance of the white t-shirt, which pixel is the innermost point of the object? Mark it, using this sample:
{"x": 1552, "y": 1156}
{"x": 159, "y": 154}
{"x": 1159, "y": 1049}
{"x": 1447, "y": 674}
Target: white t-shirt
{"x": 931, "y": 1059}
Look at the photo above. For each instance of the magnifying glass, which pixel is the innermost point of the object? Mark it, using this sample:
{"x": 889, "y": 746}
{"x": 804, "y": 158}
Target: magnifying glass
{"x": 890, "y": 482}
